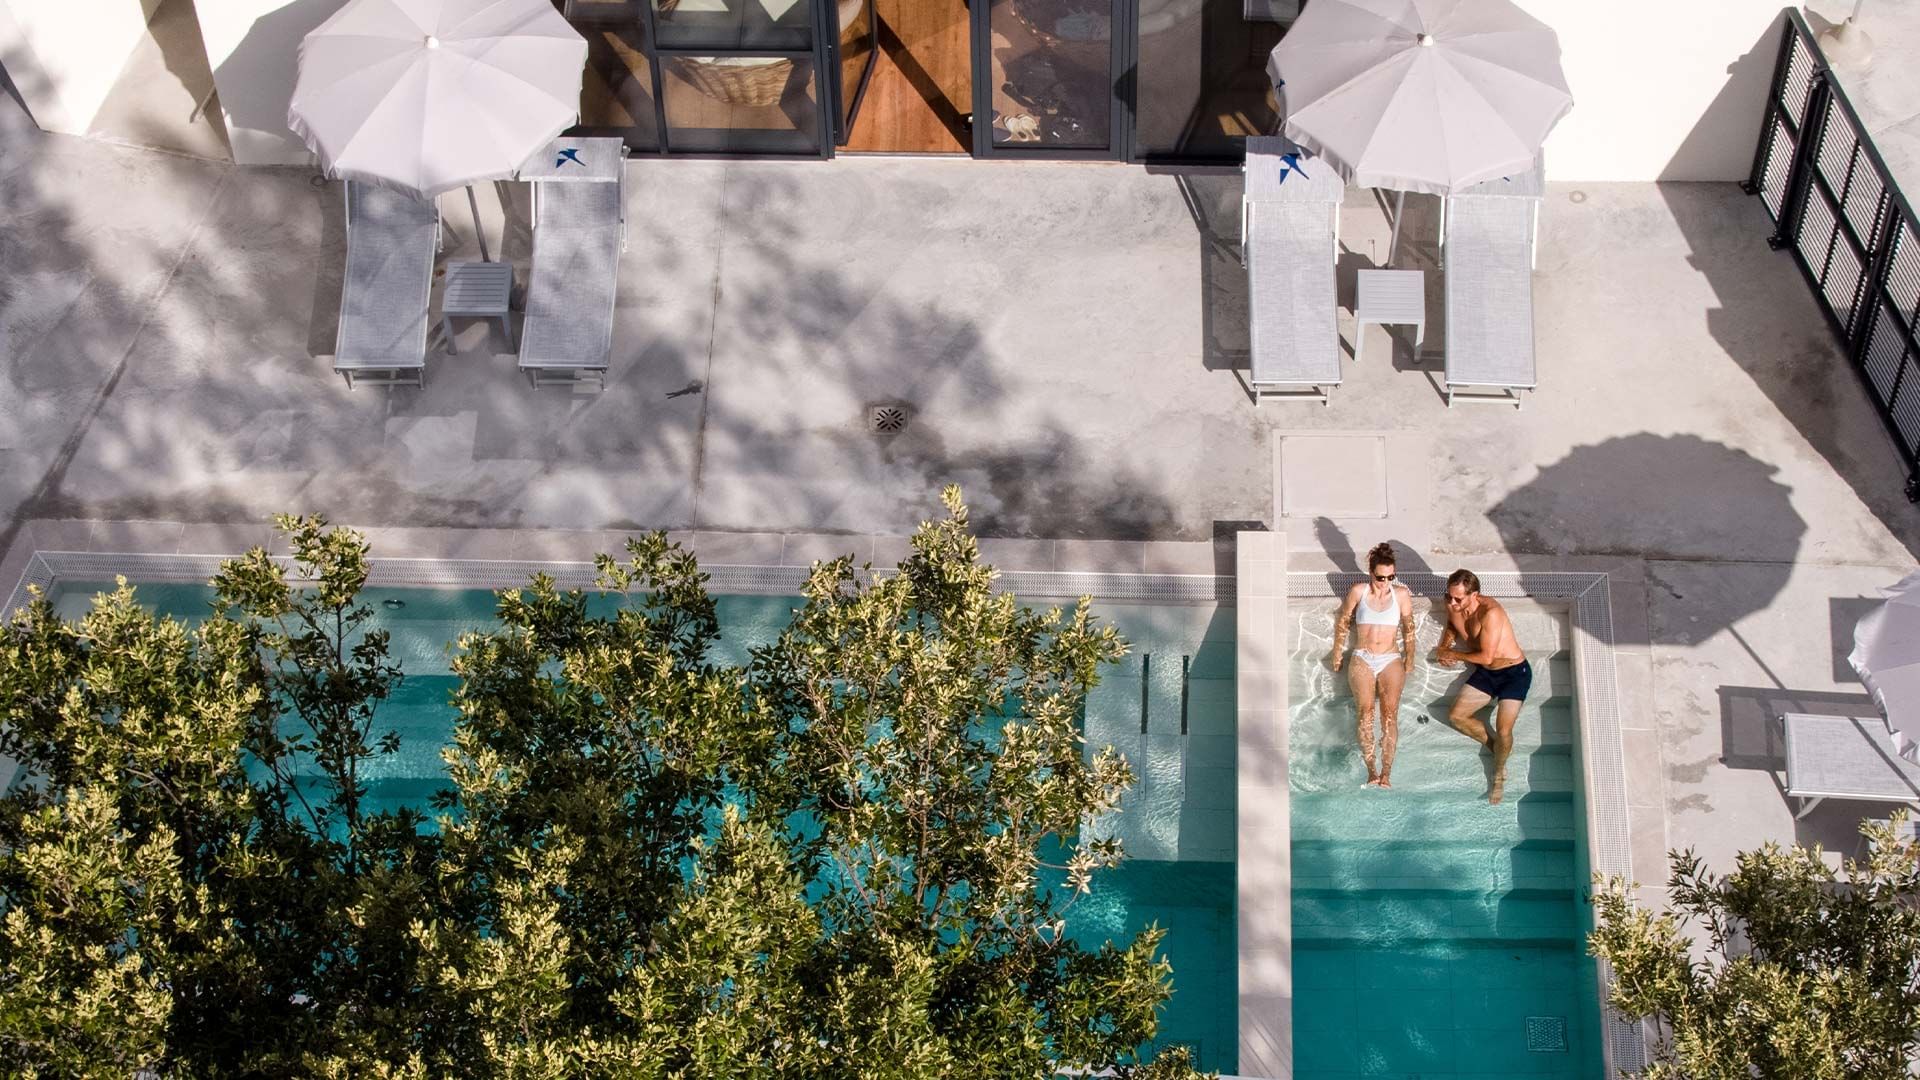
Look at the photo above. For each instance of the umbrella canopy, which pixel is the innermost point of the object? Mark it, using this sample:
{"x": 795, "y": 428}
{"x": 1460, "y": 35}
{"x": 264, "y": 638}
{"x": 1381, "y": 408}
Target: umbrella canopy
{"x": 1420, "y": 95}
{"x": 431, "y": 95}
{"x": 1886, "y": 654}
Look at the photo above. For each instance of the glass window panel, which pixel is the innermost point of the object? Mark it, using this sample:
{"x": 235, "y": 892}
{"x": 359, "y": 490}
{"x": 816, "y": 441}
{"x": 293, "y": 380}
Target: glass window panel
{"x": 763, "y": 104}
{"x": 616, "y": 93}
{"x": 735, "y": 24}
{"x": 1052, "y": 73}
{"x": 1202, "y": 83}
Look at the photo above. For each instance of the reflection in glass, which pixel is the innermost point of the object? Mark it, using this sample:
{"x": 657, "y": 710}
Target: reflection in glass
{"x": 617, "y": 90}
{"x": 856, "y": 51}
{"x": 735, "y": 24}
{"x": 1052, "y": 64}
{"x": 1202, "y": 82}
{"x": 763, "y": 104}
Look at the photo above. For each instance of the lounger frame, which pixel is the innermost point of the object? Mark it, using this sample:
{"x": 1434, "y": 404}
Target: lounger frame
{"x": 547, "y": 370}
{"x": 393, "y": 276}
{"x": 1289, "y": 244}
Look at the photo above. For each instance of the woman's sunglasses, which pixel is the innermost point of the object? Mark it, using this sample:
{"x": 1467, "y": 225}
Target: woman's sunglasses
{"x": 1385, "y": 577}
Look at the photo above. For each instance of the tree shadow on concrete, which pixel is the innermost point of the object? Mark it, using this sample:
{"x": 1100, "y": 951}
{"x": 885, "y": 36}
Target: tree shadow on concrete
{"x": 231, "y": 415}
{"x": 1661, "y": 497}
{"x": 1770, "y": 324}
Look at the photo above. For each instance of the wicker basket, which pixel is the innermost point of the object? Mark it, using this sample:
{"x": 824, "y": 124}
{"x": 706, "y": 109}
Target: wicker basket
{"x": 753, "y": 81}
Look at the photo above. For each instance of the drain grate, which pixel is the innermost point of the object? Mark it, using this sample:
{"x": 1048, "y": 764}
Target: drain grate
{"x": 887, "y": 419}
{"x": 1547, "y": 1034}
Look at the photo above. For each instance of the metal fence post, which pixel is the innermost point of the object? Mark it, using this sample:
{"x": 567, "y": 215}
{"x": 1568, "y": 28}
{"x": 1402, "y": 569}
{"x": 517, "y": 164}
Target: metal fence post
{"x": 1813, "y": 129}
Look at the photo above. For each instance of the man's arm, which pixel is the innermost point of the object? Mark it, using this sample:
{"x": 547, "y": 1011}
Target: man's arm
{"x": 1343, "y": 626}
{"x": 1491, "y": 626}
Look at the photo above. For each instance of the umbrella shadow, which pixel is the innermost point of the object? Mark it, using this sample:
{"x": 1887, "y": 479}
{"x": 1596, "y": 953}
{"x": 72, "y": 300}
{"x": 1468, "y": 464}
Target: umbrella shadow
{"x": 1678, "y": 497}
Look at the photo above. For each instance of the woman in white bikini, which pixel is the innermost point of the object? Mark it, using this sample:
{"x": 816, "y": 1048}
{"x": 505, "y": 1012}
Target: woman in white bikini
{"x": 1383, "y": 606}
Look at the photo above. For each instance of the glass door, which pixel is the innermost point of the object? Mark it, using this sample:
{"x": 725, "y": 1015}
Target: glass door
{"x": 1044, "y": 81}
{"x": 850, "y": 56}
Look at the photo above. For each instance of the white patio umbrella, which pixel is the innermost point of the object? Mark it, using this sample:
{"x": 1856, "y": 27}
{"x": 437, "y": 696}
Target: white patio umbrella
{"x": 431, "y": 95}
{"x": 1420, "y": 95}
{"x": 1886, "y": 654}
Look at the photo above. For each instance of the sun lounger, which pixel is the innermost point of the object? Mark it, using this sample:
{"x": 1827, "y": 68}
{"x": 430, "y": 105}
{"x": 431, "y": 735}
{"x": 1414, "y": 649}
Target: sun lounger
{"x": 1846, "y": 757}
{"x": 391, "y": 241}
{"x": 1289, "y": 238}
{"x": 1488, "y": 249}
{"x": 579, "y": 231}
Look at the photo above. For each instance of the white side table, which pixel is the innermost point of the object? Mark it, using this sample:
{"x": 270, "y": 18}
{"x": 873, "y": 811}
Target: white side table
{"x": 1390, "y": 298}
{"x": 482, "y": 290}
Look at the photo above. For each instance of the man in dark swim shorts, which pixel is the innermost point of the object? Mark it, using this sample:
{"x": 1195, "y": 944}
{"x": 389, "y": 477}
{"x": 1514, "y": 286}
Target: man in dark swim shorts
{"x": 1502, "y": 675}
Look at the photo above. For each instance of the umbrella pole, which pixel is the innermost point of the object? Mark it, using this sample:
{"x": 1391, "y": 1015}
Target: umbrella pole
{"x": 481, "y": 234}
{"x": 1399, "y": 206}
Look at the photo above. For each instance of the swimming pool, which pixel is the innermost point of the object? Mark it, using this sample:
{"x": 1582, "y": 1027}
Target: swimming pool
{"x": 1435, "y": 935}
{"x": 1168, "y": 706}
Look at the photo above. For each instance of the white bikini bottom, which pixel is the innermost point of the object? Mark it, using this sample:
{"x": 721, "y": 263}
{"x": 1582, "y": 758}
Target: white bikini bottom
{"x": 1375, "y": 661}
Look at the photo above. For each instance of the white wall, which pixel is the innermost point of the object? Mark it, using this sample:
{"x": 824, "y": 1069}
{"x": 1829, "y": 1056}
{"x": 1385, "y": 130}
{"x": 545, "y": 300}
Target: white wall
{"x": 254, "y": 47}
{"x": 65, "y": 55}
{"x": 1662, "y": 89}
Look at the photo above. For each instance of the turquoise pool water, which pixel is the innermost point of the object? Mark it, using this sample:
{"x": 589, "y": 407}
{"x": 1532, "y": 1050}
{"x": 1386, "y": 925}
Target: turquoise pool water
{"x": 1169, "y": 707}
{"x": 1435, "y": 935}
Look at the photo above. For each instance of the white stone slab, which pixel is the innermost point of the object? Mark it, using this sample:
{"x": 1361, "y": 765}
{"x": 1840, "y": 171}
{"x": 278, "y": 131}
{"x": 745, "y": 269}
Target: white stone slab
{"x": 1331, "y": 476}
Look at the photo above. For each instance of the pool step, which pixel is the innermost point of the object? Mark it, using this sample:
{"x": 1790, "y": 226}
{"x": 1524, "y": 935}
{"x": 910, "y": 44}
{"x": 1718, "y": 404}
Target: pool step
{"x": 1383, "y": 917}
{"x": 1457, "y": 818}
{"x": 1537, "y": 629}
{"x": 1327, "y": 725}
{"x": 1310, "y": 677}
{"x": 1535, "y": 865}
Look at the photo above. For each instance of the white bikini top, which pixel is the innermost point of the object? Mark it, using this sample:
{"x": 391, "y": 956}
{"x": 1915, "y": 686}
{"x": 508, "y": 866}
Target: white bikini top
{"x": 1390, "y": 617}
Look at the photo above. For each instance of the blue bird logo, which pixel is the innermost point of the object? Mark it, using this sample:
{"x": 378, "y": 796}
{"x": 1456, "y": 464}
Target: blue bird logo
{"x": 571, "y": 153}
{"x": 1290, "y": 163}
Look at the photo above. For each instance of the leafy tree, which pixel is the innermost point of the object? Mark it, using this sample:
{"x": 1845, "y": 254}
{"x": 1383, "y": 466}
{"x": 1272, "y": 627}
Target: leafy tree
{"x": 850, "y": 858}
{"x": 1808, "y": 971}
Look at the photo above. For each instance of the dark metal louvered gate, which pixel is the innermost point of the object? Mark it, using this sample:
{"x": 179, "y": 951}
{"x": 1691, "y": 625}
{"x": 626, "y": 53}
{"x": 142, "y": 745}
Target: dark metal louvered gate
{"x": 1836, "y": 207}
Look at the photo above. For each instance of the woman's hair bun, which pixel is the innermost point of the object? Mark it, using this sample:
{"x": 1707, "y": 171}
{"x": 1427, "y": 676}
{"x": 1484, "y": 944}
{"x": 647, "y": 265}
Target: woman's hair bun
{"x": 1380, "y": 555}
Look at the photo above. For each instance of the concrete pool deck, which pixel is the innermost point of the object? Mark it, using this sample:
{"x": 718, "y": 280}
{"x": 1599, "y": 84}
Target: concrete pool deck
{"x": 1065, "y": 338}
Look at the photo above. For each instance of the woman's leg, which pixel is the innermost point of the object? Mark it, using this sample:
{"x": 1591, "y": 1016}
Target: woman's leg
{"x": 1388, "y": 685}
{"x": 1360, "y": 678}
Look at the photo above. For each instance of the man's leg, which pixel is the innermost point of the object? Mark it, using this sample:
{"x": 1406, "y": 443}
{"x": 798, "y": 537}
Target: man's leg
{"x": 1461, "y": 717}
{"x": 1503, "y": 717}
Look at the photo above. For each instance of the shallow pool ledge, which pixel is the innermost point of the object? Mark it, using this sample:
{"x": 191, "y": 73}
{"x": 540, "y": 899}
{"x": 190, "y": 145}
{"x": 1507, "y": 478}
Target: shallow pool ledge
{"x": 1263, "y": 902}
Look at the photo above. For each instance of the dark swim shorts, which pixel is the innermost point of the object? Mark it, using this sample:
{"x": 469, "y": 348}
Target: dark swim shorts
{"x": 1509, "y": 682}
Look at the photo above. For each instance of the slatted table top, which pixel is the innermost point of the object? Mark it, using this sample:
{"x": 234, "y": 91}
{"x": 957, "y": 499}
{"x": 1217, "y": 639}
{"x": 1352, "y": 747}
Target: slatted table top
{"x": 478, "y": 288}
{"x": 1392, "y": 296}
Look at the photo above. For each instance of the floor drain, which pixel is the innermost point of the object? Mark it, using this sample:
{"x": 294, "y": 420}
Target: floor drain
{"x": 1547, "y": 1034}
{"x": 887, "y": 419}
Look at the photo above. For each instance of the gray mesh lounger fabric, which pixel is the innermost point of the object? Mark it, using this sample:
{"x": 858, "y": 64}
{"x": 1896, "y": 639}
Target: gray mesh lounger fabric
{"x": 1845, "y": 757}
{"x": 568, "y": 327}
{"x": 391, "y": 240}
{"x": 1288, "y": 221}
{"x": 1290, "y": 299}
{"x": 1489, "y": 281}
